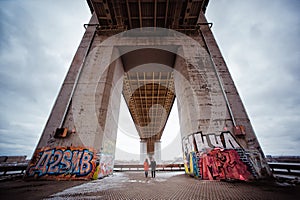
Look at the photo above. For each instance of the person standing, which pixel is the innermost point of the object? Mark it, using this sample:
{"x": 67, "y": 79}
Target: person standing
{"x": 146, "y": 167}
{"x": 153, "y": 167}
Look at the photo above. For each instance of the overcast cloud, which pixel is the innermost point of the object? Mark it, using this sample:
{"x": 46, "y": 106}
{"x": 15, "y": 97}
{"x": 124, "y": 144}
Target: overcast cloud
{"x": 260, "y": 43}
{"x": 259, "y": 40}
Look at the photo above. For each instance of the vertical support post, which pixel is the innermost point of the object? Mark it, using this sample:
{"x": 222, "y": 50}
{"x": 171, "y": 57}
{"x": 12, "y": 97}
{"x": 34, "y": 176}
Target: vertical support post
{"x": 237, "y": 112}
{"x": 157, "y": 151}
{"x": 236, "y": 108}
{"x": 63, "y": 100}
{"x": 143, "y": 151}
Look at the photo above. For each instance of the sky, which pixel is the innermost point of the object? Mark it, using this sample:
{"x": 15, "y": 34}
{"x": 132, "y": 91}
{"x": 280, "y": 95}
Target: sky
{"x": 259, "y": 40}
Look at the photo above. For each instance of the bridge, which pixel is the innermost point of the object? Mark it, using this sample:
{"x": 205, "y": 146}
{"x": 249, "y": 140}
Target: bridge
{"x": 150, "y": 52}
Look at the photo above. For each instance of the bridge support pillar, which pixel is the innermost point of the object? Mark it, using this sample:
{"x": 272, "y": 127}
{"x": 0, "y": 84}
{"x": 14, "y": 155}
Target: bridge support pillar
{"x": 215, "y": 127}
{"x": 82, "y": 144}
{"x": 143, "y": 151}
{"x": 157, "y": 151}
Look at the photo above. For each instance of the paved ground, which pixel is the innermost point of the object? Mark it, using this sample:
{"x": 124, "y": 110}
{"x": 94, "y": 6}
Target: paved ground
{"x": 132, "y": 185}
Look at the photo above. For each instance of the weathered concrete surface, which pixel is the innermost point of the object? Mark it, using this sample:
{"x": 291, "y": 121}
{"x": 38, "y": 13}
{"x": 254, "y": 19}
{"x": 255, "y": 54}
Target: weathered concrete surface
{"x": 201, "y": 104}
{"x": 62, "y": 102}
{"x": 238, "y": 110}
{"x": 93, "y": 112}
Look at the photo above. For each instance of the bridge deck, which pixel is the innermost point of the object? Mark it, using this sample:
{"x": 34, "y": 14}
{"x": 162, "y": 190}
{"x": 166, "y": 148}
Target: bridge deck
{"x": 133, "y": 185}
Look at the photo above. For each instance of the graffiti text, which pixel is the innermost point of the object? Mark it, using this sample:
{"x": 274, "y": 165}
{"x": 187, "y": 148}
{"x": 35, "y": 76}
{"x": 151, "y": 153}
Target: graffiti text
{"x": 62, "y": 161}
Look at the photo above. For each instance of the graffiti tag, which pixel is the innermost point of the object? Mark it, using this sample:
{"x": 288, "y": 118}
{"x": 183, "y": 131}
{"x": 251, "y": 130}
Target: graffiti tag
{"x": 78, "y": 162}
{"x": 223, "y": 164}
{"x": 106, "y": 165}
{"x": 214, "y": 157}
{"x": 200, "y": 142}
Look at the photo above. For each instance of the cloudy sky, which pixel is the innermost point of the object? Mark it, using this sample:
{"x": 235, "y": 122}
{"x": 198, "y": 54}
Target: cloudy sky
{"x": 258, "y": 38}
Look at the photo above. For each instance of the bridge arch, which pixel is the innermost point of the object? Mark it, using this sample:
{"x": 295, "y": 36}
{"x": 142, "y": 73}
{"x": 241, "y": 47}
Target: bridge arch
{"x": 162, "y": 56}
{"x": 141, "y": 63}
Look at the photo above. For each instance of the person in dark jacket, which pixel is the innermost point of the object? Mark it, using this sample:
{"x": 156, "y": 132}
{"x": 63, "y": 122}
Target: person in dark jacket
{"x": 153, "y": 167}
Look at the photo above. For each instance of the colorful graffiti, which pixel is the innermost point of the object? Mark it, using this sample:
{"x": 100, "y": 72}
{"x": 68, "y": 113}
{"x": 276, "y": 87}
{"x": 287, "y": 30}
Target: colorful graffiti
{"x": 223, "y": 164}
{"x": 210, "y": 141}
{"x": 215, "y": 157}
{"x": 63, "y": 163}
{"x": 106, "y": 165}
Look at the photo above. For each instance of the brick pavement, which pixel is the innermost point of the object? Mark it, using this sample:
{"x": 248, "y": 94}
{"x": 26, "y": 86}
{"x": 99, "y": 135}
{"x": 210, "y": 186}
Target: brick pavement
{"x": 132, "y": 185}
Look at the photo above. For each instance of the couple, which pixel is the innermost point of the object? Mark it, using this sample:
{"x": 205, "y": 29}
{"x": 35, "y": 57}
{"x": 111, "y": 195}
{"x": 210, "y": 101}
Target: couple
{"x": 152, "y": 165}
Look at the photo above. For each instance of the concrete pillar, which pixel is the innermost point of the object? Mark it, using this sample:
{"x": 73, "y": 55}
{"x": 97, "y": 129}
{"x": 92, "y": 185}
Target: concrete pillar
{"x": 93, "y": 113}
{"x": 143, "y": 151}
{"x": 235, "y": 104}
{"x": 157, "y": 151}
{"x": 201, "y": 105}
{"x": 63, "y": 100}
{"x": 208, "y": 104}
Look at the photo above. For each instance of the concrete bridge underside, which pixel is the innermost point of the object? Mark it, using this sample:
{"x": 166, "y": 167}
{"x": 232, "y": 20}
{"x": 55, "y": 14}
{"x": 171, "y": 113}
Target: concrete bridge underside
{"x": 177, "y": 56}
{"x": 148, "y": 89}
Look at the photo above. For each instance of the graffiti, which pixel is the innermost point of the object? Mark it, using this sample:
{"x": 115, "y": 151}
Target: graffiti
{"x": 194, "y": 160}
{"x": 200, "y": 142}
{"x": 249, "y": 159}
{"x": 106, "y": 165}
{"x": 63, "y": 163}
{"x": 215, "y": 157}
{"x": 223, "y": 164}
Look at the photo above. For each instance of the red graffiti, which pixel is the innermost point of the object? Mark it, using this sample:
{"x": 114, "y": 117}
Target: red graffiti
{"x": 215, "y": 157}
{"x": 223, "y": 164}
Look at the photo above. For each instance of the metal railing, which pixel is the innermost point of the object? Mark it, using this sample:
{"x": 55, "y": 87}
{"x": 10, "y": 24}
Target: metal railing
{"x": 139, "y": 167}
{"x": 289, "y": 169}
